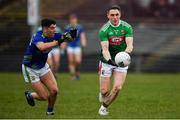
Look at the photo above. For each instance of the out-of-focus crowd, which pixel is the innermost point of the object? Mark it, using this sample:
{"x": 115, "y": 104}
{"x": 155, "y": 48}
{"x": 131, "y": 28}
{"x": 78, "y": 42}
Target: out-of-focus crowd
{"x": 149, "y": 8}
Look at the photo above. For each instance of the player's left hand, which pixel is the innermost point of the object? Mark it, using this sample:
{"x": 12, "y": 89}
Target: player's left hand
{"x": 70, "y": 36}
{"x": 67, "y": 37}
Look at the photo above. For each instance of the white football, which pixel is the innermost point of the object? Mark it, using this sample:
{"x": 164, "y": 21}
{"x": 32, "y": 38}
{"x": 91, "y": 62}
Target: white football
{"x": 122, "y": 59}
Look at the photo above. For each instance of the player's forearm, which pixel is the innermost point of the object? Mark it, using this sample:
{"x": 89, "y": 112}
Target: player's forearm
{"x": 129, "y": 49}
{"x": 106, "y": 54}
{"x": 46, "y": 46}
{"x": 129, "y": 42}
{"x": 83, "y": 40}
{"x": 83, "y": 43}
{"x": 105, "y": 50}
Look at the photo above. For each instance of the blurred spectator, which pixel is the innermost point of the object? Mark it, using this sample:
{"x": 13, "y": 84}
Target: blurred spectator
{"x": 163, "y": 8}
{"x": 143, "y": 3}
{"x": 141, "y": 8}
{"x": 177, "y": 7}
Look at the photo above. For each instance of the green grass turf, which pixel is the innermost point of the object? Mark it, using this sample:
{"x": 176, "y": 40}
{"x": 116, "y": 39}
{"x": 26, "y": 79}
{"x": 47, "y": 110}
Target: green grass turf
{"x": 142, "y": 96}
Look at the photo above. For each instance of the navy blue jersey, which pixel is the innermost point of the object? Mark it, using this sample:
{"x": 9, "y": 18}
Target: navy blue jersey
{"x": 75, "y": 42}
{"x": 33, "y": 57}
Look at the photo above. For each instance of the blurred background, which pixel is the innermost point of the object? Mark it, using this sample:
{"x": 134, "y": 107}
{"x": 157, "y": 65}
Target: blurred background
{"x": 156, "y": 26}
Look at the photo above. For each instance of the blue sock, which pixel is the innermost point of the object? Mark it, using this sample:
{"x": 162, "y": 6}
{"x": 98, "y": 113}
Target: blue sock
{"x": 49, "y": 109}
{"x": 29, "y": 94}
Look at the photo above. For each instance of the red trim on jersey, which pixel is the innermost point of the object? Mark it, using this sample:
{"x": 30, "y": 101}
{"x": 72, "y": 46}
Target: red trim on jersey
{"x": 116, "y": 40}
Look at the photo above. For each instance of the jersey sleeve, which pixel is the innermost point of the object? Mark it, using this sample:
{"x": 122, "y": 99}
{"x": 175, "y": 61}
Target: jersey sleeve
{"x": 129, "y": 32}
{"x": 103, "y": 36}
{"x": 57, "y": 36}
{"x": 36, "y": 39}
{"x": 66, "y": 29}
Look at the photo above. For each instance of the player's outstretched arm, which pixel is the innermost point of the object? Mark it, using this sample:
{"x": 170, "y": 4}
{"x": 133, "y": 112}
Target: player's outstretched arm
{"x": 68, "y": 36}
{"x": 45, "y": 46}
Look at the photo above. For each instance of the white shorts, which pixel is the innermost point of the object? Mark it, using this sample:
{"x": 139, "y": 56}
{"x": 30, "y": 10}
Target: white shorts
{"x": 74, "y": 50}
{"x": 105, "y": 70}
{"x": 33, "y": 75}
{"x": 54, "y": 51}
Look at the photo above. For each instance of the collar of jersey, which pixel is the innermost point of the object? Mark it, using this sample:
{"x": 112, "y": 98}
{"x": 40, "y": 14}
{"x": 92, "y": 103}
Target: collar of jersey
{"x": 74, "y": 25}
{"x": 43, "y": 35}
{"x": 113, "y": 25}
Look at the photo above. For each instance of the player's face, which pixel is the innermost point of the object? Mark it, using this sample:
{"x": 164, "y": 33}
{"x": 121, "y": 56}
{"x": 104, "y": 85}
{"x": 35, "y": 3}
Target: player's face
{"x": 73, "y": 21}
{"x": 51, "y": 30}
{"x": 114, "y": 16}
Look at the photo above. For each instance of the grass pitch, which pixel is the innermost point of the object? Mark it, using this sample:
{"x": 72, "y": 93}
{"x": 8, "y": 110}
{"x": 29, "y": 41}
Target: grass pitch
{"x": 142, "y": 96}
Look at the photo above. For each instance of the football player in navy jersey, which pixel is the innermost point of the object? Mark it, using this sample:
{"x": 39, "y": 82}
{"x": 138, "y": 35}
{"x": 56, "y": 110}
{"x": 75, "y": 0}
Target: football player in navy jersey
{"x": 74, "y": 48}
{"x": 34, "y": 67}
{"x": 54, "y": 56}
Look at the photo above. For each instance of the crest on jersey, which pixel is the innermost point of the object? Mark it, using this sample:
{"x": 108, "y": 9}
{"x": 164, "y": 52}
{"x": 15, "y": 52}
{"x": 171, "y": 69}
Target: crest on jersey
{"x": 116, "y": 31}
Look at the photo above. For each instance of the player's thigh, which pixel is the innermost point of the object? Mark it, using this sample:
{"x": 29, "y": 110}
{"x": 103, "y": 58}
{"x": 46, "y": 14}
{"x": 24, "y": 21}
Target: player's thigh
{"x": 70, "y": 57}
{"x": 49, "y": 60}
{"x": 71, "y": 54}
{"x": 49, "y": 81}
{"x": 40, "y": 89}
{"x": 78, "y": 54}
{"x": 56, "y": 55}
{"x": 78, "y": 58}
{"x": 119, "y": 79}
{"x": 105, "y": 72}
{"x": 56, "y": 58}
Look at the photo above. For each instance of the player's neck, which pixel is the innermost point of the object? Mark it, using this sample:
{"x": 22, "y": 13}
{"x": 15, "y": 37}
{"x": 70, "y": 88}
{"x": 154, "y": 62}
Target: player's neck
{"x": 73, "y": 25}
{"x": 44, "y": 34}
{"x": 115, "y": 25}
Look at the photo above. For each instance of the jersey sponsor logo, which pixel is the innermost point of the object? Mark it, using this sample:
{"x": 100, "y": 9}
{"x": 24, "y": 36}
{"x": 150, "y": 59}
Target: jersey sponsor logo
{"x": 116, "y": 40}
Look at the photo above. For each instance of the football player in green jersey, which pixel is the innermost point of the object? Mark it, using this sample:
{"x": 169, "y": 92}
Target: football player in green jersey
{"x": 115, "y": 36}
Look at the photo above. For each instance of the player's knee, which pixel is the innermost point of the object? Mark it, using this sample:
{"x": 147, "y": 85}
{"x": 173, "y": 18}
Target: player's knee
{"x": 71, "y": 62}
{"x": 78, "y": 62}
{"x": 44, "y": 96}
{"x": 104, "y": 91}
{"x": 54, "y": 91}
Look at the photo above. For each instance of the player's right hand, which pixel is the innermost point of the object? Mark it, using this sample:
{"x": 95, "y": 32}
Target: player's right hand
{"x": 111, "y": 62}
{"x": 60, "y": 41}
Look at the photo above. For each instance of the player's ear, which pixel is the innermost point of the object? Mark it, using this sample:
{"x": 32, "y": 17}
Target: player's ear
{"x": 119, "y": 14}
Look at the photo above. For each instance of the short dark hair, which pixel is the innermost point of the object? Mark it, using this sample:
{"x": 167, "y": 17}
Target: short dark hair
{"x": 117, "y": 7}
{"x": 47, "y": 22}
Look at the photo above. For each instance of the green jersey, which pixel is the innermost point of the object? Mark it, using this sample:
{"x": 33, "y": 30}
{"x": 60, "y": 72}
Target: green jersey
{"x": 115, "y": 35}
